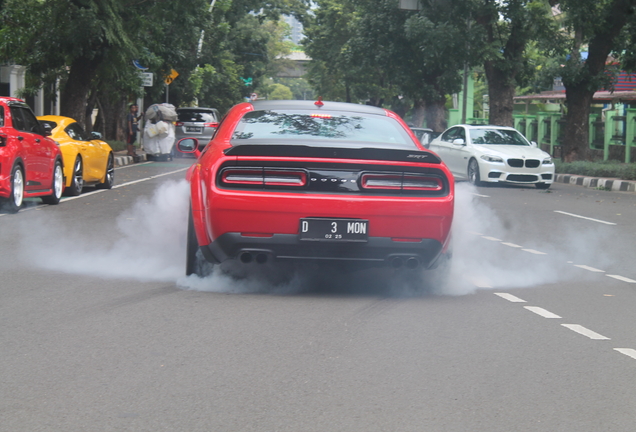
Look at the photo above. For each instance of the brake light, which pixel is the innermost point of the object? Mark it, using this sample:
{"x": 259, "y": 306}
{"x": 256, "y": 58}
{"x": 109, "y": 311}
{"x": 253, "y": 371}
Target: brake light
{"x": 322, "y": 116}
{"x": 211, "y": 125}
{"x": 399, "y": 181}
{"x": 382, "y": 181}
{"x": 178, "y": 124}
{"x": 258, "y": 176}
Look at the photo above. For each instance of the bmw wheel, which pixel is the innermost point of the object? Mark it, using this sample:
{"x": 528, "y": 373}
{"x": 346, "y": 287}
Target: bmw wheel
{"x": 77, "y": 182}
{"x": 17, "y": 190}
{"x": 57, "y": 185}
{"x": 473, "y": 173}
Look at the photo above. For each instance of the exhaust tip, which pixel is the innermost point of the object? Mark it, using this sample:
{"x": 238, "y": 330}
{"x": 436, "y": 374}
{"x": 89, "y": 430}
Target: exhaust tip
{"x": 412, "y": 263}
{"x": 397, "y": 262}
{"x": 261, "y": 258}
{"x": 246, "y": 257}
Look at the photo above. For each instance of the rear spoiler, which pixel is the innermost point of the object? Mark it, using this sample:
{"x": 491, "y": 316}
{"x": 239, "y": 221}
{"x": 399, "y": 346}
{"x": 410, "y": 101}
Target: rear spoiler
{"x": 334, "y": 153}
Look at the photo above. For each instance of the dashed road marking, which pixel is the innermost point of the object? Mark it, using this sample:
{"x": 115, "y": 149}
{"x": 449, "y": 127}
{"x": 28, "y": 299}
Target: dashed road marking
{"x": 542, "y": 312}
{"x": 510, "y": 297}
{"x": 532, "y": 251}
{"x": 627, "y": 351}
{"x": 584, "y": 217}
{"x": 133, "y": 165}
{"x": 622, "y": 278}
{"x": 511, "y": 245}
{"x": 482, "y": 196}
{"x": 588, "y": 268}
{"x": 585, "y": 332}
{"x": 491, "y": 238}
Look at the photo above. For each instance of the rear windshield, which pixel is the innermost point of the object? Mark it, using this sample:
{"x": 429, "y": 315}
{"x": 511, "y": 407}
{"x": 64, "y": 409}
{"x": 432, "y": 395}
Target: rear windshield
{"x": 497, "y": 136}
{"x": 293, "y": 126}
{"x": 196, "y": 116}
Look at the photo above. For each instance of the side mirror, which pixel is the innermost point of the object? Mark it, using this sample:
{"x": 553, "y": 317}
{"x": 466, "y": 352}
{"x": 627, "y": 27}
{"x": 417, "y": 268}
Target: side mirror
{"x": 533, "y": 144}
{"x": 46, "y": 129}
{"x": 459, "y": 141}
{"x": 96, "y": 135}
{"x": 189, "y": 146}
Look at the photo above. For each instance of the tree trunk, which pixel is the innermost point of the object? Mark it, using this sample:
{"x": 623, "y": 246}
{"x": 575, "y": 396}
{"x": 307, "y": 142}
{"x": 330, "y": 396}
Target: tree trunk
{"x": 113, "y": 111}
{"x": 501, "y": 91}
{"x": 575, "y": 144}
{"x": 77, "y": 88}
{"x": 419, "y": 113}
{"x": 436, "y": 114}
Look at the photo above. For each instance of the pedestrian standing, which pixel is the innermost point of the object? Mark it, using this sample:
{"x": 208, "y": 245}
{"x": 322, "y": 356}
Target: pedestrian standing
{"x": 132, "y": 126}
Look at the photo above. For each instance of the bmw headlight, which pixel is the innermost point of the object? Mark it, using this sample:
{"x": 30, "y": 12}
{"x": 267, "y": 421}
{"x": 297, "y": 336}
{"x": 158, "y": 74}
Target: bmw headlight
{"x": 491, "y": 158}
{"x": 547, "y": 161}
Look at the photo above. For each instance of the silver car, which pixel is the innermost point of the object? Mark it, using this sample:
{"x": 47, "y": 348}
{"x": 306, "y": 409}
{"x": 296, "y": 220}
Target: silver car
{"x": 196, "y": 122}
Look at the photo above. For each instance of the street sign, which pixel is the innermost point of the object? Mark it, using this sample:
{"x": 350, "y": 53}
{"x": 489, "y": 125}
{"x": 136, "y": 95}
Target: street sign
{"x": 171, "y": 77}
{"x": 138, "y": 65}
{"x": 146, "y": 78}
{"x": 253, "y": 96}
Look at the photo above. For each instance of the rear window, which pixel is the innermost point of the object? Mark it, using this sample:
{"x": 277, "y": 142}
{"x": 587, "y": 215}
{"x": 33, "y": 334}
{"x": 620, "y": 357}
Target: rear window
{"x": 292, "y": 126}
{"x": 196, "y": 116}
{"x": 52, "y": 124}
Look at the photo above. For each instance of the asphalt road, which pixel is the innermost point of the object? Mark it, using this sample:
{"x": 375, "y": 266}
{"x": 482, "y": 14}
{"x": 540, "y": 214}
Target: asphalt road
{"x": 99, "y": 330}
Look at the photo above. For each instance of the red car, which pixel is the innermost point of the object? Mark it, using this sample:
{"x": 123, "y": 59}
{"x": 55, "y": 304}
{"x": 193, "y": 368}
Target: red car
{"x": 30, "y": 162}
{"x": 320, "y": 181}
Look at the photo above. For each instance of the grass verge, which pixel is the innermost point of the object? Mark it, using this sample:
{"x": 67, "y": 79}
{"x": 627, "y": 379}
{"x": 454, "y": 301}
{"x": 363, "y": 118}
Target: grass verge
{"x": 611, "y": 169}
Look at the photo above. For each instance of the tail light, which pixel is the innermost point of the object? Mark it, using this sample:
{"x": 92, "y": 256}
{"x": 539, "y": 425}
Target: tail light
{"x": 178, "y": 124}
{"x": 212, "y": 125}
{"x": 399, "y": 181}
{"x": 258, "y": 176}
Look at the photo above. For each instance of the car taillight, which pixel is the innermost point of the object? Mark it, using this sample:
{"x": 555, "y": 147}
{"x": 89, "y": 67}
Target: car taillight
{"x": 211, "y": 125}
{"x": 263, "y": 177}
{"x": 381, "y": 181}
{"x": 285, "y": 178}
{"x": 178, "y": 124}
{"x": 399, "y": 181}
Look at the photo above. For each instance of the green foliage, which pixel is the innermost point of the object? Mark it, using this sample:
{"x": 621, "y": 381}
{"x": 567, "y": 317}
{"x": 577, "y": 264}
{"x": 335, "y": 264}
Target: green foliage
{"x": 280, "y": 92}
{"x": 608, "y": 169}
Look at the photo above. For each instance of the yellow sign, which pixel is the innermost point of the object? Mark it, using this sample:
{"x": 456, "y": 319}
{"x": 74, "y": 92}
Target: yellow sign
{"x": 171, "y": 77}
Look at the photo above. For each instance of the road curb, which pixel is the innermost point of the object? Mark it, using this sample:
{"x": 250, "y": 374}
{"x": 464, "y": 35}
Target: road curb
{"x": 615, "y": 185}
{"x": 127, "y": 160}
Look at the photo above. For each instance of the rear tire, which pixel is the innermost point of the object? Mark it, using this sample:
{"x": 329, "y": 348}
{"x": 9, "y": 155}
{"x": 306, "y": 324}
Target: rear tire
{"x": 109, "y": 179}
{"x": 77, "y": 182}
{"x": 14, "y": 202}
{"x": 195, "y": 261}
{"x": 57, "y": 185}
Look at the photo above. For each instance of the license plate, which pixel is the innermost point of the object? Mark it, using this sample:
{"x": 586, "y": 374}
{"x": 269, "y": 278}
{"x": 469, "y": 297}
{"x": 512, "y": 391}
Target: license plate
{"x": 193, "y": 129}
{"x": 334, "y": 230}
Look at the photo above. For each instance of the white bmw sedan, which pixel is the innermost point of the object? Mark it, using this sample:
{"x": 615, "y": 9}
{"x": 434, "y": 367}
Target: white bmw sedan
{"x": 491, "y": 154}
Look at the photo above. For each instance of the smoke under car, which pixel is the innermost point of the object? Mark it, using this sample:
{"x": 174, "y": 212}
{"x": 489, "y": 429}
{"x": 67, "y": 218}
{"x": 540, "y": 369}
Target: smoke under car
{"x": 298, "y": 181}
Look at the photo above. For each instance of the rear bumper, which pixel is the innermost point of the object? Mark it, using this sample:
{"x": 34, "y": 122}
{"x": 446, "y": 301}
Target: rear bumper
{"x": 378, "y": 251}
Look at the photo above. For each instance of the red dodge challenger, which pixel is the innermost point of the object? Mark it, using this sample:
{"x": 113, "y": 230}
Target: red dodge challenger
{"x": 318, "y": 181}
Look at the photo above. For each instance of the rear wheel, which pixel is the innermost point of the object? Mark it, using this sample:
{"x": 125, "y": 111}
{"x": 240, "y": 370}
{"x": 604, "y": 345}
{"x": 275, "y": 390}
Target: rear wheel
{"x": 109, "y": 179}
{"x": 473, "y": 173}
{"x": 57, "y": 185}
{"x": 195, "y": 261}
{"x": 14, "y": 202}
{"x": 77, "y": 182}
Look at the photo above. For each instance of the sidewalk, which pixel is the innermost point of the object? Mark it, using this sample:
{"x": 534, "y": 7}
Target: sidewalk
{"x": 121, "y": 158}
{"x": 615, "y": 185}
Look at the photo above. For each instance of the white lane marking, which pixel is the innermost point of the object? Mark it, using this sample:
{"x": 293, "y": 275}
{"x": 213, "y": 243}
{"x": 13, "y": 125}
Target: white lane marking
{"x": 474, "y": 233}
{"x": 511, "y": 245}
{"x": 585, "y": 332}
{"x": 510, "y": 297}
{"x": 592, "y": 269}
{"x": 622, "y": 278}
{"x": 491, "y": 238}
{"x": 149, "y": 178}
{"x": 532, "y": 251}
{"x": 133, "y": 165}
{"x": 540, "y": 311}
{"x": 583, "y": 217}
{"x": 87, "y": 194}
{"x": 627, "y": 351}
{"x": 483, "y": 196}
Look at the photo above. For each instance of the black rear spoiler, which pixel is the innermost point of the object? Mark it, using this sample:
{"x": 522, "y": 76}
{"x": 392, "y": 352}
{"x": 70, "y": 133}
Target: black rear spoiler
{"x": 334, "y": 153}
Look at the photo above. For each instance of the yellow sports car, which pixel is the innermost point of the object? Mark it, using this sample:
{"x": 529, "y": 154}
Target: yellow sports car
{"x": 87, "y": 160}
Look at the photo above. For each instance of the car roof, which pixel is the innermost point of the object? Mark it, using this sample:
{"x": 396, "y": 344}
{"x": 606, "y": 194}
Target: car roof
{"x": 311, "y": 105}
